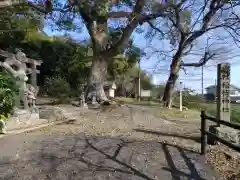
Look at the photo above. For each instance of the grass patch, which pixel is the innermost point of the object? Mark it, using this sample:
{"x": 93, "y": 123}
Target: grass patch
{"x": 135, "y": 102}
{"x": 176, "y": 113}
{"x": 211, "y": 109}
{"x": 193, "y": 111}
{"x": 160, "y": 111}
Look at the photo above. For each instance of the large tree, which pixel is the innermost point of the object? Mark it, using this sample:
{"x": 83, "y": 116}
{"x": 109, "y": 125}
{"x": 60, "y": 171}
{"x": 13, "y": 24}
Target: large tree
{"x": 193, "y": 21}
{"x": 95, "y": 15}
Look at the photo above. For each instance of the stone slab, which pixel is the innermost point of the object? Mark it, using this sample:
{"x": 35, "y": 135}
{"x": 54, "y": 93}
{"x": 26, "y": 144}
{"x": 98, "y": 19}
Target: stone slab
{"x": 26, "y": 117}
{"x": 51, "y": 113}
{"x": 22, "y": 118}
{"x": 11, "y": 125}
{"x": 229, "y": 134}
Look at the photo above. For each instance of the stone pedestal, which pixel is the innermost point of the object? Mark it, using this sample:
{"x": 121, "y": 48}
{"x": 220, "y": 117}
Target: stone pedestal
{"x": 226, "y": 133}
{"x": 229, "y": 134}
{"x": 94, "y": 100}
{"x": 22, "y": 118}
{"x": 25, "y": 115}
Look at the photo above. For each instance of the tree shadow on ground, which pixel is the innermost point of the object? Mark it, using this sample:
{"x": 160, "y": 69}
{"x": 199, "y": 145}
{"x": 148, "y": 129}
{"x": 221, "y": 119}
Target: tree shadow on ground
{"x": 193, "y": 138}
{"x": 176, "y": 174}
{"x": 49, "y": 103}
{"x": 80, "y": 157}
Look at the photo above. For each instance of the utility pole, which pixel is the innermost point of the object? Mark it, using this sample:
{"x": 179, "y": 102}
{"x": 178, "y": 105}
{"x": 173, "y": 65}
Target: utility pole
{"x": 202, "y": 84}
{"x": 180, "y": 99}
{"x": 215, "y": 89}
{"x": 139, "y": 81}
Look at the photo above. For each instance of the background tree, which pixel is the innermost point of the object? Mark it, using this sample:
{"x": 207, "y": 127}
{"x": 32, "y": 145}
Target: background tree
{"x": 186, "y": 23}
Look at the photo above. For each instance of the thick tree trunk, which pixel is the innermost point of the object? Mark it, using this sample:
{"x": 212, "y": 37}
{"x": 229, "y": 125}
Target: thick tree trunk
{"x": 169, "y": 88}
{"x": 96, "y": 79}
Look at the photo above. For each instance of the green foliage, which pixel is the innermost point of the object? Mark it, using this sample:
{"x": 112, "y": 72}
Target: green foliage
{"x": 5, "y": 117}
{"x": 196, "y": 102}
{"x": 158, "y": 91}
{"x": 15, "y": 23}
{"x": 57, "y": 87}
{"x": 127, "y": 82}
{"x": 211, "y": 109}
{"x": 6, "y": 101}
{"x": 189, "y": 99}
{"x": 8, "y": 92}
{"x": 146, "y": 81}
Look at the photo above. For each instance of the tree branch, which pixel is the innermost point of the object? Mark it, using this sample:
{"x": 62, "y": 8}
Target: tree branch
{"x": 155, "y": 28}
{"x": 135, "y": 21}
{"x": 215, "y": 5}
{"x": 135, "y": 18}
{"x": 202, "y": 11}
{"x": 202, "y": 61}
{"x": 119, "y": 14}
{"x": 88, "y": 21}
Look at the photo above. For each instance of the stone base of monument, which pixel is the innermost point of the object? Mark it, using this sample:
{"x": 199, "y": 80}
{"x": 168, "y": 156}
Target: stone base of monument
{"x": 76, "y": 103}
{"x": 44, "y": 115}
{"x": 226, "y": 133}
{"x": 22, "y": 119}
{"x": 229, "y": 134}
{"x": 91, "y": 105}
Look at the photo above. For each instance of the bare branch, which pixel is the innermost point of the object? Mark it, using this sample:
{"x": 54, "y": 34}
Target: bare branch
{"x": 214, "y": 7}
{"x": 155, "y": 28}
{"x": 119, "y": 14}
{"x": 202, "y": 61}
{"x": 184, "y": 70}
{"x": 202, "y": 11}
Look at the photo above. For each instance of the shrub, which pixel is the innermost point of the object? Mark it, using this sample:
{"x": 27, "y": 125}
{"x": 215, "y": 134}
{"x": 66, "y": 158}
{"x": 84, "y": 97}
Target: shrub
{"x": 4, "y": 117}
{"x": 57, "y": 87}
{"x": 8, "y": 91}
{"x": 7, "y": 81}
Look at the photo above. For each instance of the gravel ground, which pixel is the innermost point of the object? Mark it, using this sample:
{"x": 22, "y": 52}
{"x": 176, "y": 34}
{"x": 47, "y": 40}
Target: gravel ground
{"x": 107, "y": 144}
{"x": 225, "y": 161}
{"x": 42, "y": 155}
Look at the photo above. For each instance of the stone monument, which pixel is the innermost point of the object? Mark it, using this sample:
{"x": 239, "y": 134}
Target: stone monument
{"x": 16, "y": 66}
{"x": 223, "y": 107}
{"x": 223, "y": 92}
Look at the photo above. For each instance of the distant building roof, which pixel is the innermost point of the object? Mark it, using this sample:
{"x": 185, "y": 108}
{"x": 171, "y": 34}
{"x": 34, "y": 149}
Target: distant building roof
{"x": 214, "y": 86}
